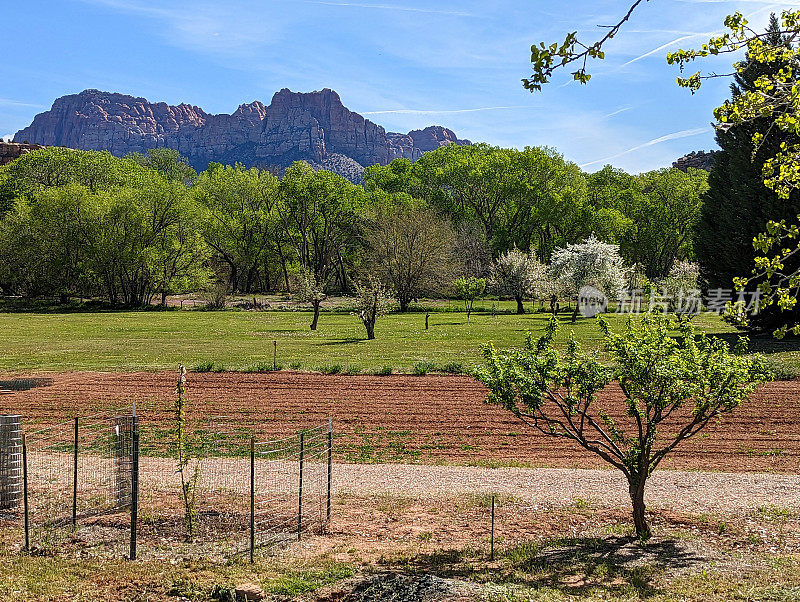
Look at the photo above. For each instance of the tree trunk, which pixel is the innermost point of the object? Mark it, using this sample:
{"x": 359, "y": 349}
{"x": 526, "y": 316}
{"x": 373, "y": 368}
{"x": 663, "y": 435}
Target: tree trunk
{"x": 316, "y": 315}
{"x": 636, "y": 491}
{"x": 403, "y": 304}
{"x": 575, "y": 314}
{"x": 370, "y": 326}
{"x": 163, "y": 298}
{"x": 520, "y": 306}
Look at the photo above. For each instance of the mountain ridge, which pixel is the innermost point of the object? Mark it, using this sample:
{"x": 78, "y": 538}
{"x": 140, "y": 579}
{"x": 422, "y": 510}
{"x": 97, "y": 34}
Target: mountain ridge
{"x": 311, "y": 126}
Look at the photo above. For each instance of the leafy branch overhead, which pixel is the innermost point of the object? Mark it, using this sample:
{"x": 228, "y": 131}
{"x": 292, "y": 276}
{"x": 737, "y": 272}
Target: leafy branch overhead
{"x": 547, "y": 59}
{"x": 774, "y": 96}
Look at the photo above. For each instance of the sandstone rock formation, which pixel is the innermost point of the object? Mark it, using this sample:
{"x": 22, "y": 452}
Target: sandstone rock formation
{"x": 315, "y": 127}
{"x": 11, "y": 150}
{"x": 696, "y": 159}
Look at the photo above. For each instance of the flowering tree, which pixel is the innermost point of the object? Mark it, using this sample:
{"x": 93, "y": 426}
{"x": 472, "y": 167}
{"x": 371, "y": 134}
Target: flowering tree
{"x": 697, "y": 378}
{"x": 373, "y": 300}
{"x": 592, "y": 263}
{"x": 515, "y": 273}
{"x": 309, "y": 290}
{"x": 683, "y": 280}
{"x": 773, "y": 96}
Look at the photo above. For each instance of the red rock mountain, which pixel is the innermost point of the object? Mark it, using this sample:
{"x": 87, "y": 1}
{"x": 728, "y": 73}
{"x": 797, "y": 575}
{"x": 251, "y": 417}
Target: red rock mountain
{"x": 315, "y": 127}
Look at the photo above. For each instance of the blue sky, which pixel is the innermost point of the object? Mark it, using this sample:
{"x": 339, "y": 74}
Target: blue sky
{"x": 404, "y": 65}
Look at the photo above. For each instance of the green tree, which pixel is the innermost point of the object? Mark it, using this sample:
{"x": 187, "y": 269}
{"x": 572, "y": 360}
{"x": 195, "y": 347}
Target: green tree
{"x": 469, "y": 289}
{"x": 56, "y": 166}
{"x": 241, "y": 223}
{"x": 319, "y": 216}
{"x": 168, "y": 162}
{"x": 42, "y": 246}
{"x": 737, "y": 205}
{"x": 662, "y": 217}
{"x": 409, "y": 248}
{"x": 555, "y": 392}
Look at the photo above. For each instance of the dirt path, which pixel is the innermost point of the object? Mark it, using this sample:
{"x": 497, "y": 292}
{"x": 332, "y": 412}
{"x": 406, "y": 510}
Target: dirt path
{"x": 407, "y": 419}
{"x": 683, "y": 491}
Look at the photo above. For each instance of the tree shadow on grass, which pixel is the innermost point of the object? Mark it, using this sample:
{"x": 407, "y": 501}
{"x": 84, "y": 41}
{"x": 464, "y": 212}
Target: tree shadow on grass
{"x": 24, "y": 384}
{"x": 346, "y": 341}
{"x": 573, "y": 566}
{"x": 766, "y": 343}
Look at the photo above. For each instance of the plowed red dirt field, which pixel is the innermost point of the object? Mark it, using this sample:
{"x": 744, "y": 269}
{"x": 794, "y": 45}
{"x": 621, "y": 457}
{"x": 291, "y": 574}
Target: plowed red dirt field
{"x": 431, "y": 419}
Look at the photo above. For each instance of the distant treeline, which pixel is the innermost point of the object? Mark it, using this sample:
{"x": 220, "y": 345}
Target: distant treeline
{"x": 139, "y": 228}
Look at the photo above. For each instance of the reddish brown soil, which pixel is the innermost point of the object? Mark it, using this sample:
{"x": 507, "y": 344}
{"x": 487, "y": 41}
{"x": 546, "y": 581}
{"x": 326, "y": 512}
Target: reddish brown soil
{"x": 432, "y": 419}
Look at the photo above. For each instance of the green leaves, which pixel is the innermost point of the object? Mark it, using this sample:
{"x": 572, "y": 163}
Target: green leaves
{"x": 554, "y": 389}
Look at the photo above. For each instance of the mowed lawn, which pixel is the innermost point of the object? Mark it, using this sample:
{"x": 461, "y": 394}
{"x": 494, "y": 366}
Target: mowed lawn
{"x": 239, "y": 340}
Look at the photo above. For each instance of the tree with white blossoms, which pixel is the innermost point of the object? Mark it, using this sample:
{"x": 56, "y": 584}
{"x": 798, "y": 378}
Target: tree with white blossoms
{"x": 309, "y": 290}
{"x": 516, "y": 274}
{"x": 588, "y": 263}
{"x": 774, "y": 96}
{"x": 373, "y": 300}
{"x": 681, "y": 284}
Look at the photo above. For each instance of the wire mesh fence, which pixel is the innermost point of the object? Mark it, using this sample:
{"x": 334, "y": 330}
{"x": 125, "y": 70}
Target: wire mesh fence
{"x": 112, "y": 482}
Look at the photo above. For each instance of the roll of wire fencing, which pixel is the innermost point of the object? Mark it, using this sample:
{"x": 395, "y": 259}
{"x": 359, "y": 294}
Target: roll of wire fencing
{"x": 10, "y": 464}
{"x": 79, "y": 482}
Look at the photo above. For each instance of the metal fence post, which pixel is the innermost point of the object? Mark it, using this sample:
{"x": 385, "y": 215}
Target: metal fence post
{"x": 25, "y": 492}
{"x": 134, "y": 487}
{"x": 75, "y": 479}
{"x": 330, "y": 467}
{"x": 252, "y": 498}
{"x": 300, "y": 496}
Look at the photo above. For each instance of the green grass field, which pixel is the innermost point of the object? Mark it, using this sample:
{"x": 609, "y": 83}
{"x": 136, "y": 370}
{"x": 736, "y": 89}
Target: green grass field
{"x": 240, "y": 340}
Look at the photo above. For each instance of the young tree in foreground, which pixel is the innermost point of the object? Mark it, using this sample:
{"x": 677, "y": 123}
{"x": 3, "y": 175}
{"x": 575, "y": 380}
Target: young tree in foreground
{"x": 373, "y": 300}
{"x": 188, "y": 466}
{"x": 696, "y": 378}
{"x": 469, "y": 289}
{"x": 310, "y": 291}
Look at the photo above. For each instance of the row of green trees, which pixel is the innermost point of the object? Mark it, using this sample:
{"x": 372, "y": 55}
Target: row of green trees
{"x": 535, "y": 200}
{"x": 142, "y": 227}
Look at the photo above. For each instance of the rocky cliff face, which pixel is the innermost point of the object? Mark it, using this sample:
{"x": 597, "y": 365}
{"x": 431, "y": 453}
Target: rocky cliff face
{"x": 697, "y": 160}
{"x": 12, "y": 150}
{"x": 315, "y": 127}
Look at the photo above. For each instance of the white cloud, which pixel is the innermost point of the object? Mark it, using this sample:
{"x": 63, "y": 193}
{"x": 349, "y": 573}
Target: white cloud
{"x": 7, "y": 137}
{"x": 442, "y": 111}
{"x": 659, "y": 140}
{"x": 390, "y": 7}
{"x": 8, "y": 102}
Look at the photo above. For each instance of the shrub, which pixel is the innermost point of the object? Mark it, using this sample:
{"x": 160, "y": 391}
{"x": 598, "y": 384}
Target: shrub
{"x": 204, "y": 367}
{"x": 264, "y": 367}
{"x": 422, "y": 368}
{"x": 453, "y": 368}
{"x": 331, "y": 369}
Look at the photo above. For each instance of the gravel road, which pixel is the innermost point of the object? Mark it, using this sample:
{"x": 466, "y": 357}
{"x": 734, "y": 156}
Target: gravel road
{"x": 688, "y": 491}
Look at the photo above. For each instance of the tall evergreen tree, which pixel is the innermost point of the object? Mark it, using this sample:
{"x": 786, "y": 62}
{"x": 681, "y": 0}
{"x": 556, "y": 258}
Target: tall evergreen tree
{"x": 737, "y": 205}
